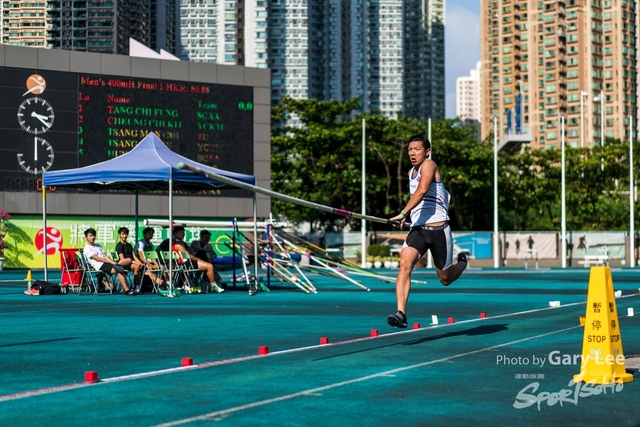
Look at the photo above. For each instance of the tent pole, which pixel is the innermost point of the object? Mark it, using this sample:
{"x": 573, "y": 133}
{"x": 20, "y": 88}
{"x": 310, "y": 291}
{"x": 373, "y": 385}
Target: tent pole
{"x": 136, "y": 241}
{"x": 170, "y": 232}
{"x": 44, "y": 230}
{"x": 255, "y": 240}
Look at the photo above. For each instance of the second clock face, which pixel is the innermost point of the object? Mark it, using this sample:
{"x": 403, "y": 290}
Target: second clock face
{"x": 36, "y": 157}
{"x": 35, "y": 115}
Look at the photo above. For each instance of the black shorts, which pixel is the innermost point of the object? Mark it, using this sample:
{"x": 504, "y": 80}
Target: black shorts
{"x": 436, "y": 239}
{"x": 106, "y": 267}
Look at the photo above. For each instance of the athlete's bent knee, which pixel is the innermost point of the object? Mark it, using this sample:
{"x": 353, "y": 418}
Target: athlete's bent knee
{"x": 405, "y": 264}
{"x": 445, "y": 281}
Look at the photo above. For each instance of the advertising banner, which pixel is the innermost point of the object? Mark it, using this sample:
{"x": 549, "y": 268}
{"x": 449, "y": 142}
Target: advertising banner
{"x": 530, "y": 245}
{"x": 478, "y": 245}
{"x": 597, "y": 243}
{"x": 26, "y": 237}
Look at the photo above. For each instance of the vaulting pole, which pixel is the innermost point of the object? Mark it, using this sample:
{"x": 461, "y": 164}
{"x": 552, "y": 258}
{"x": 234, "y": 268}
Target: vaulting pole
{"x": 284, "y": 197}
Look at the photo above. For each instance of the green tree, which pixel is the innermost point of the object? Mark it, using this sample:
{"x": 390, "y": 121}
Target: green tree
{"x": 466, "y": 167}
{"x": 317, "y": 160}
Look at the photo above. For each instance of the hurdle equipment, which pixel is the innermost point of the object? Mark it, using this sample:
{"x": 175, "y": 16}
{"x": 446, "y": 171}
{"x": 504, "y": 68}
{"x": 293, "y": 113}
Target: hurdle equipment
{"x": 284, "y": 197}
{"x": 305, "y": 248}
{"x": 602, "y": 355}
{"x": 305, "y": 282}
{"x": 278, "y": 267}
{"x": 527, "y": 253}
{"x": 334, "y": 271}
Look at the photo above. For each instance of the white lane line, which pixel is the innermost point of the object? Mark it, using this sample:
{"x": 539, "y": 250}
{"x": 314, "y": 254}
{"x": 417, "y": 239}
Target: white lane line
{"x": 316, "y": 390}
{"x": 65, "y": 387}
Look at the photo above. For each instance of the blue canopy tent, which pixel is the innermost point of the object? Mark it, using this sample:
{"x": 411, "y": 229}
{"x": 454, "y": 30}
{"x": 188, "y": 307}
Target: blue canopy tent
{"x": 149, "y": 166}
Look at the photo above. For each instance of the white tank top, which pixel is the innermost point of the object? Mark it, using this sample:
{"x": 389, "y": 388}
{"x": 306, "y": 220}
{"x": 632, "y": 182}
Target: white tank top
{"x": 434, "y": 206}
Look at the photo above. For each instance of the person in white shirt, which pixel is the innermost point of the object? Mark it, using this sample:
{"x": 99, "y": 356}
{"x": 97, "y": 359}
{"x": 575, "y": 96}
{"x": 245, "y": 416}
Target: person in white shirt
{"x": 101, "y": 262}
{"x": 428, "y": 211}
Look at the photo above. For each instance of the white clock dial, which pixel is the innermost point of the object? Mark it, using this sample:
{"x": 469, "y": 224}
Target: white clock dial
{"x": 37, "y": 156}
{"x": 36, "y": 115}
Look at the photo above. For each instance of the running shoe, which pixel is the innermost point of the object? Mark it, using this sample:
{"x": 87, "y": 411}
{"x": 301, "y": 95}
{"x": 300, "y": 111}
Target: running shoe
{"x": 216, "y": 288}
{"x": 462, "y": 257}
{"x": 398, "y": 320}
{"x": 32, "y": 292}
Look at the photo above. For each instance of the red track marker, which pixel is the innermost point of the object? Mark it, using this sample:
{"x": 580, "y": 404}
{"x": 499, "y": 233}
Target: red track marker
{"x": 483, "y": 315}
{"x": 91, "y": 377}
{"x": 450, "y": 320}
{"x": 374, "y": 332}
{"x": 187, "y": 361}
{"x": 324, "y": 340}
{"x": 263, "y": 349}
{"x": 416, "y": 326}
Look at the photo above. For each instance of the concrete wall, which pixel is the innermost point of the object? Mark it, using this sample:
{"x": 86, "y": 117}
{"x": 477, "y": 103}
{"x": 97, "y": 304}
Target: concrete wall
{"x": 150, "y": 205}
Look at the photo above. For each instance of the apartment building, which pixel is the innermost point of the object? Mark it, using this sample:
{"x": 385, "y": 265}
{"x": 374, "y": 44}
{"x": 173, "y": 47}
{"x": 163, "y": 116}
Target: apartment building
{"x": 387, "y": 53}
{"x": 103, "y": 26}
{"x": 231, "y": 32}
{"x": 568, "y": 58}
{"x": 468, "y": 96}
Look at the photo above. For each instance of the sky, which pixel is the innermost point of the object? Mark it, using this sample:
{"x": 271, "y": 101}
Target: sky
{"x": 462, "y": 45}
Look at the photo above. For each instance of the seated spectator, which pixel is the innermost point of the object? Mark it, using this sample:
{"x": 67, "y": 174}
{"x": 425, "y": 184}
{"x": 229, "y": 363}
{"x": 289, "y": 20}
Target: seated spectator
{"x": 101, "y": 262}
{"x": 145, "y": 245}
{"x": 125, "y": 252}
{"x": 178, "y": 245}
{"x": 203, "y": 250}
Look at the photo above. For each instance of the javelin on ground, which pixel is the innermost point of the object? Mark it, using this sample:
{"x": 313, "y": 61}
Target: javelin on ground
{"x": 286, "y": 198}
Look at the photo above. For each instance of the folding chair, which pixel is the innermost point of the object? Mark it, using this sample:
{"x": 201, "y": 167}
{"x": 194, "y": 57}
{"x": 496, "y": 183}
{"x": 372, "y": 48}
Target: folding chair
{"x": 156, "y": 267}
{"x": 191, "y": 273}
{"x": 93, "y": 276}
{"x": 180, "y": 270}
{"x": 90, "y": 276}
{"x": 166, "y": 259}
{"x": 71, "y": 270}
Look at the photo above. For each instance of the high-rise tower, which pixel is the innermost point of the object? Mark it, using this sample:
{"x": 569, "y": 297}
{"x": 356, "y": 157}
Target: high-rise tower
{"x": 559, "y": 57}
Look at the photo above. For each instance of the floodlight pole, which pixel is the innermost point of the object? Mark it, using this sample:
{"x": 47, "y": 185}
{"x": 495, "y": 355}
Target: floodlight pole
{"x": 631, "y": 196}
{"x": 429, "y": 136}
{"x": 601, "y": 118}
{"x": 563, "y": 197}
{"x": 496, "y": 251}
{"x": 363, "y": 226}
{"x": 429, "y": 257}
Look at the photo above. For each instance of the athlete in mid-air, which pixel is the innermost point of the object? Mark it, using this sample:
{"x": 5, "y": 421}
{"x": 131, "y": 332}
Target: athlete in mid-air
{"x": 428, "y": 211}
